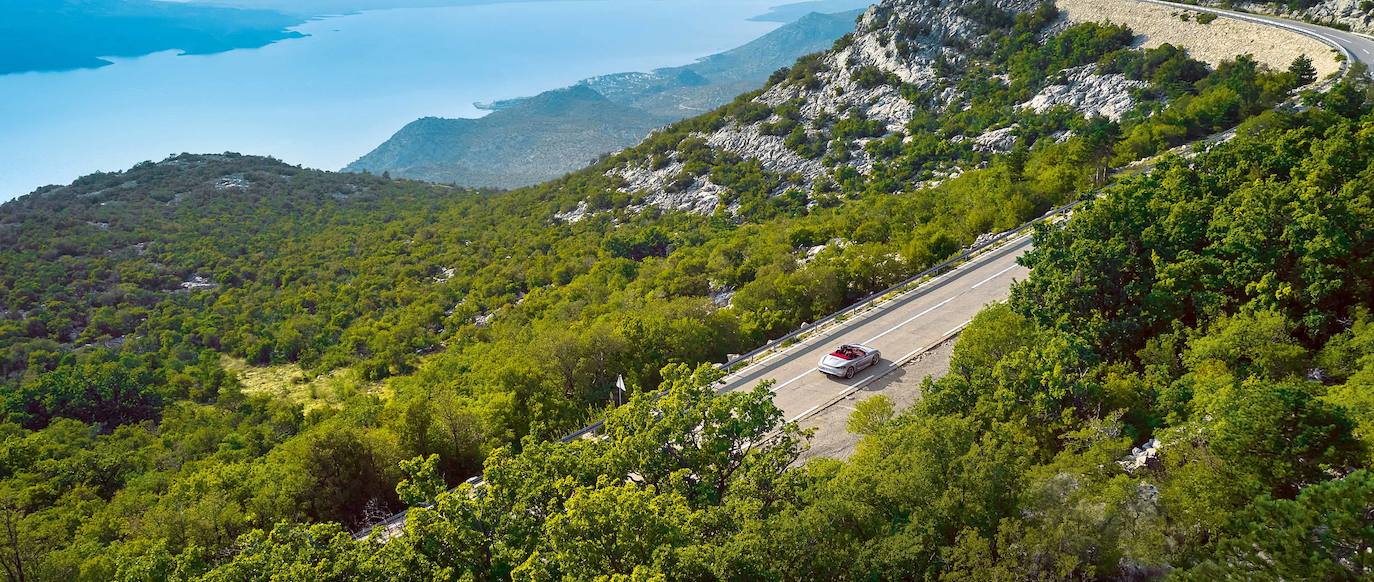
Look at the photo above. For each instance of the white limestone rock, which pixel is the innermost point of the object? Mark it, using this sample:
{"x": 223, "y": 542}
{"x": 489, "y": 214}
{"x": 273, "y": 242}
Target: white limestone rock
{"x": 996, "y": 140}
{"x": 1088, "y": 92}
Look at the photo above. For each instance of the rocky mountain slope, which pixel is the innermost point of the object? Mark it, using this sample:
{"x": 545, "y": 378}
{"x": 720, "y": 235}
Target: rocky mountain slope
{"x": 906, "y": 59}
{"x": 529, "y": 140}
{"x": 706, "y": 84}
{"x": 923, "y": 90}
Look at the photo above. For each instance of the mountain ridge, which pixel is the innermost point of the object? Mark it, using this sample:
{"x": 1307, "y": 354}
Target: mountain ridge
{"x": 533, "y": 139}
{"x": 514, "y": 145}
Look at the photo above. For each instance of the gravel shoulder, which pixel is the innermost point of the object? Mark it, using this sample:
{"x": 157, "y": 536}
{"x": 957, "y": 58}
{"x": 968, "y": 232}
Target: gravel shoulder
{"x": 902, "y": 385}
{"x": 1221, "y": 39}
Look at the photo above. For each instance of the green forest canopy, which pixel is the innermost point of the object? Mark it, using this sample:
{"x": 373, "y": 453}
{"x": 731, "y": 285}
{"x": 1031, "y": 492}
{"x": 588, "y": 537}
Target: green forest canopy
{"x": 129, "y": 451}
{"x": 1220, "y": 305}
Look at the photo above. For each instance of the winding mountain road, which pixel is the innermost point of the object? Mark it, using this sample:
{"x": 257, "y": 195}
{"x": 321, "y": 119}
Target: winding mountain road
{"x": 910, "y": 323}
{"x": 929, "y": 314}
{"x": 1356, "y": 46}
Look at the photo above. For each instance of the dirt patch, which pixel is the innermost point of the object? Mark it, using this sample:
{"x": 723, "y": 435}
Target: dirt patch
{"x": 902, "y": 385}
{"x": 1214, "y": 42}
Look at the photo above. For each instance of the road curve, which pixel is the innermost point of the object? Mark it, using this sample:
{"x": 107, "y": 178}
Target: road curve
{"x": 930, "y": 313}
{"x": 1356, "y": 46}
{"x": 910, "y": 323}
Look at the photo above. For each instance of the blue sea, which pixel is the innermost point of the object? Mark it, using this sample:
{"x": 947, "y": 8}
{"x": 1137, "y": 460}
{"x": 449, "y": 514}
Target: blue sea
{"x": 325, "y": 99}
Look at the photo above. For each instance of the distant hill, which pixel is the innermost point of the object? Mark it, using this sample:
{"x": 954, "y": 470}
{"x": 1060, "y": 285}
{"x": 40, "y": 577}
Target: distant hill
{"x": 529, "y": 140}
{"x": 737, "y": 70}
{"x": 795, "y": 10}
{"x": 52, "y": 35}
{"x": 535, "y": 139}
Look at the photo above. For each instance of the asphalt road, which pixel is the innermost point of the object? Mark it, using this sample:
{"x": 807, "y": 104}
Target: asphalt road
{"x": 927, "y": 315}
{"x": 919, "y": 319}
{"x": 900, "y": 328}
{"x": 1358, "y": 46}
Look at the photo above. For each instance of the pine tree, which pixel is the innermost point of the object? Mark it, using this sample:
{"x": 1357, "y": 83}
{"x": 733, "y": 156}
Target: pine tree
{"x": 1302, "y": 69}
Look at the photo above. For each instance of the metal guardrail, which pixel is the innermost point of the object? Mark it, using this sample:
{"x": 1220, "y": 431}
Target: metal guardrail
{"x": 897, "y": 288}
{"x": 391, "y": 522}
{"x": 866, "y": 301}
{"x": 1267, "y": 20}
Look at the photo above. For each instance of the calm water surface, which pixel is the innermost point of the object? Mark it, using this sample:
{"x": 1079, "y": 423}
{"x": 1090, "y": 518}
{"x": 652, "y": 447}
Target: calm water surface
{"x": 326, "y": 99}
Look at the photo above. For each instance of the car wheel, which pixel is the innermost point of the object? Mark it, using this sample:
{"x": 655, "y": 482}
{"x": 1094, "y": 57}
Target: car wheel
{"x": 849, "y": 372}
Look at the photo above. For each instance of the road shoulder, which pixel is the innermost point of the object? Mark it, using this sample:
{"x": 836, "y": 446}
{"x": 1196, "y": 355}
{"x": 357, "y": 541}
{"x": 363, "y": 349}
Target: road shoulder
{"x": 1212, "y": 42}
{"x": 902, "y": 385}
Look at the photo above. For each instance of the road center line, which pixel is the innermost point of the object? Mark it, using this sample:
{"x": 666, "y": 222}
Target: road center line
{"x": 909, "y": 320}
{"x": 998, "y": 274}
{"x": 777, "y": 387}
{"x": 956, "y": 270}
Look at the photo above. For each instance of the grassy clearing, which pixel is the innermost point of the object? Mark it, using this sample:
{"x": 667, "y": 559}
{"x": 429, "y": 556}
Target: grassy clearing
{"x": 290, "y": 382}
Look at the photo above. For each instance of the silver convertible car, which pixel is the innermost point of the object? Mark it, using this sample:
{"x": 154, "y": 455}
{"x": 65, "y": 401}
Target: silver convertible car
{"x": 848, "y": 359}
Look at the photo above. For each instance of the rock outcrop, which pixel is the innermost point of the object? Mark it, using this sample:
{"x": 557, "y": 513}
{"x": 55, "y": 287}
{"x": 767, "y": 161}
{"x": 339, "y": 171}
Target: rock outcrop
{"x": 1088, "y": 92}
{"x": 1145, "y": 456}
{"x": 1356, "y": 14}
{"x": 903, "y": 56}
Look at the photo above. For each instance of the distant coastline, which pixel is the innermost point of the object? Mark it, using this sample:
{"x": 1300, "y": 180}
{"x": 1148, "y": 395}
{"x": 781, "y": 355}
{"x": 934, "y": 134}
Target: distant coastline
{"x": 527, "y": 140}
{"x": 784, "y": 13}
{"x": 346, "y": 85}
{"x": 65, "y": 35}
{"x": 795, "y": 10}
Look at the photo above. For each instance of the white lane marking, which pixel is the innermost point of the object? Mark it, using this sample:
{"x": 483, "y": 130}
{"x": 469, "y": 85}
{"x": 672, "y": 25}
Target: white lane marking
{"x": 890, "y": 364}
{"x": 902, "y": 360}
{"x": 999, "y": 274}
{"x": 959, "y": 327}
{"x": 871, "y": 377}
{"x": 777, "y": 387}
{"x": 909, "y": 320}
{"x": 867, "y": 379}
{"x": 973, "y": 262}
{"x": 1365, "y": 50}
{"x": 811, "y": 340}
{"x": 804, "y": 413}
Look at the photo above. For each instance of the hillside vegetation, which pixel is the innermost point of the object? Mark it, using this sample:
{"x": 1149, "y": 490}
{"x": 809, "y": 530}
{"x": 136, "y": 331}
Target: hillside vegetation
{"x": 1182, "y": 388}
{"x": 469, "y": 329}
{"x": 534, "y": 140}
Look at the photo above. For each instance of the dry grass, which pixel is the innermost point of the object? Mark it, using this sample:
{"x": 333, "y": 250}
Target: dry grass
{"x": 290, "y": 382}
{"x": 1221, "y": 39}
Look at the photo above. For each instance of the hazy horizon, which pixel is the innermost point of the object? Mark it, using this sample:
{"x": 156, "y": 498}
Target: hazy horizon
{"x": 326, "y": 98}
